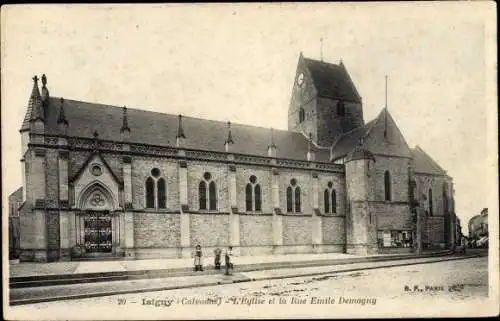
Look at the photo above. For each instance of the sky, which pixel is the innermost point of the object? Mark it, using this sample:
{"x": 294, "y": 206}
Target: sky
{"x": 237, "y": 62}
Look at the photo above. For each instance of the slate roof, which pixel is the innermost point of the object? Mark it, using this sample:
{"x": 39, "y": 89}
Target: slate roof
{"x": 160, "y": 129}
{"x": 332, "y": 80}
{"x": 350, "y": 139}
{"x": 424, "y": 163}
{"x": 373, "y": 138}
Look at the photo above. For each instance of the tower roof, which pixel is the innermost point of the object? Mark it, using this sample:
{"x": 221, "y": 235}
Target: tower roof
{"x": 332, "y": 80}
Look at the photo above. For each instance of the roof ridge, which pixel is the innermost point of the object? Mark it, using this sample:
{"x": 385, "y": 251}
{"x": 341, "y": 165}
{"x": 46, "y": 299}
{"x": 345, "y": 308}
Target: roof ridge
{"x": 94, "y": 104}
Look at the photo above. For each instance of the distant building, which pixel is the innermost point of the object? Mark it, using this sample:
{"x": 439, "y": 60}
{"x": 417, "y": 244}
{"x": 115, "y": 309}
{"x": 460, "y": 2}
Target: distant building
{"x": 127, "y": 182}
{"x": 15, "y": 202}
{"x": 478, "y": 225}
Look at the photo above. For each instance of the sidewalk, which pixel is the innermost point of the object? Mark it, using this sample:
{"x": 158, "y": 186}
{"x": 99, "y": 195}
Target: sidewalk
{"x": 29, "y": 269}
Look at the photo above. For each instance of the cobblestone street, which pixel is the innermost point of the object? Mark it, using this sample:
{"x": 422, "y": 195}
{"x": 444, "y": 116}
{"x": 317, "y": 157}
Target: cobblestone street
{"x": 454, "y": 285}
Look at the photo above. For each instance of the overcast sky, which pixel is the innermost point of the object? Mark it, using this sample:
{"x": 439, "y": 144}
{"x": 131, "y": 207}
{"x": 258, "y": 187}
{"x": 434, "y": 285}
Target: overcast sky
{"x": 237, "y": 63}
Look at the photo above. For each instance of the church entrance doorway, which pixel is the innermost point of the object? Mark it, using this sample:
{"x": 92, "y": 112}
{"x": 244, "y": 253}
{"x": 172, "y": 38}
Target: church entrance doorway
{"x": 98, "y": 233}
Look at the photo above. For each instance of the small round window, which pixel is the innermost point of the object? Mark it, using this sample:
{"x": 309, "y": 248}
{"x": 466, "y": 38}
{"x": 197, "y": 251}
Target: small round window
{"x": 155, "y": 172}
{"x": 253, "y": 179}
{"x": 207, "y": 176}
{"x": 96, "y": 170}
{"x": 293, "y": 181}
{"x": 330, "y": 184}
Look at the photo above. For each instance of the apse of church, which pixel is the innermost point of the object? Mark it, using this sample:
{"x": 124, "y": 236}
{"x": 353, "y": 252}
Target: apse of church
{"x": 139, "y": 184}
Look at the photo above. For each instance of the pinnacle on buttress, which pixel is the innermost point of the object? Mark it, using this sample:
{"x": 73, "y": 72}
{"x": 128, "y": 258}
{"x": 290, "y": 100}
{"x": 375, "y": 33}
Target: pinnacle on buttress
{"x": 180, "y": 129}
{"x": 271, "y": 148}
{"x": 62, "y": 117}
{"x": 124, "y": 121}
{"x": 229, "y": 139}
{"x": 35, "y": 103}
{"x": 311, "y": 154}
{"x": 45, "y": 92}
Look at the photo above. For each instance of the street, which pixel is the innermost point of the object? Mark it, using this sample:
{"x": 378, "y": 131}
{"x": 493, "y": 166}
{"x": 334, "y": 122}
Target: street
{"x": 456, "y": 285}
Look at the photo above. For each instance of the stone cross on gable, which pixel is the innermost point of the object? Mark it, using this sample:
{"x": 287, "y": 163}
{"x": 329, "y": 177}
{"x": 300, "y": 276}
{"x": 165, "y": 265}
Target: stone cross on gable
{"x": 96, "y": 140}
{"x": 35, "y": 79}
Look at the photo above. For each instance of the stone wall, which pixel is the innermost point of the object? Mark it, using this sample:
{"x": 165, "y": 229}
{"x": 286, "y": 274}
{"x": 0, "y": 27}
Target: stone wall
{"x": 209, "y": 229}
{"x": 256, "y": 230}
{"x": 333, "y": 230}
{"x": 156, "y": 230}
{"x": 297, "y": 230}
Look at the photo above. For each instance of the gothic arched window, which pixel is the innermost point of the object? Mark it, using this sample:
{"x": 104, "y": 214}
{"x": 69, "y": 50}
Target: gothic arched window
{"x": 212, "y": 196}
{"x": 297, "y": 199}
{"x": 302, "y": 115}
{"x": 431, "y": 212}
{"x": 289, "y": 199}
{"x": 207, "y": 199}
{"x": 258, "y": 198}
{"x": 253, "y": 198}
{"x": 248, "y": 197}
{"x": 327, "y": 201}
{"x": 156, "y": 190}
{"x": 162, "y": 193}
{"x": 150, "y": 193}
{"x": 387, "y": 185}
{"x": 293, "y": 203}
{"x": 334, "y": 201}
{"x": 330, "y": 199}
{"x": 202, "y": 194}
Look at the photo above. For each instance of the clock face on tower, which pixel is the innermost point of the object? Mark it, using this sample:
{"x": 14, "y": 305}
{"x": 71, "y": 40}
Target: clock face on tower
{"x": 300, "y": 79}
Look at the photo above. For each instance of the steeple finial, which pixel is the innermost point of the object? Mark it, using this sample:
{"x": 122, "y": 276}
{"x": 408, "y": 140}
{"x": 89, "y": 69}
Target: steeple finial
{"x": 180, "y": 129}
{"x": 385, "y": 91}
{"x": 229, "y": 139}
{"x": 125, "y": 121}
{"x": 44, "y": 80}
{"x": 385, "y": 111}
{"x": 62, "y": 116}
{"x": 321, "y": 41}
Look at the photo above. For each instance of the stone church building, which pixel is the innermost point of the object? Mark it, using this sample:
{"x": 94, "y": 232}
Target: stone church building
{"x": 105, "y": 181}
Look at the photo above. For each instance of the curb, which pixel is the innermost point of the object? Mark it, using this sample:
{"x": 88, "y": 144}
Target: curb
{"x": 242, "y": 280}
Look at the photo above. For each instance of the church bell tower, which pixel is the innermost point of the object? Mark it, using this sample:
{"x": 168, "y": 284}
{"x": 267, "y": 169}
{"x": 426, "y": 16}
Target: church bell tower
{"x": 324, "y": 101}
